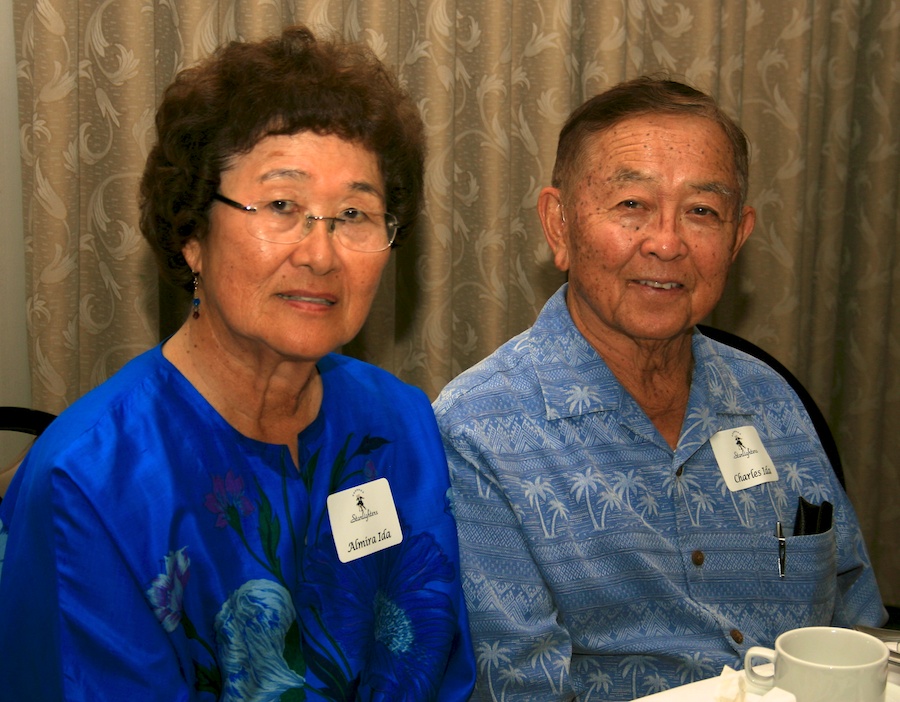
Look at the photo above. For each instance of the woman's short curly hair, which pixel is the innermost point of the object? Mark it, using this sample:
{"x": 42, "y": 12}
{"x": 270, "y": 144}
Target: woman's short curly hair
{"x": 247, "y": 91}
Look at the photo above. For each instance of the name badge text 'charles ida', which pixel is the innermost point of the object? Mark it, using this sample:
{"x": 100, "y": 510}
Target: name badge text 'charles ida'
{"x": 363, "y": 520}
{"x": 742, "y": 458}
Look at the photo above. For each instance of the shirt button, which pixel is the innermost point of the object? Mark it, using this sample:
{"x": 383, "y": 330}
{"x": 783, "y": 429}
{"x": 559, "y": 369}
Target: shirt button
{"x": 697, "y": 558}
{"x": 737, "y": 636}
{"x": 679, "y": 471}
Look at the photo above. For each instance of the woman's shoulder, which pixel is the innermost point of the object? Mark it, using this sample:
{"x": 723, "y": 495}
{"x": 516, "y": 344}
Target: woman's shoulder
{"x": 346, "y": 374}
{"x": 143, "y": 370}
{"x": 361, "y": 395}
{"x": 115, "y": 419}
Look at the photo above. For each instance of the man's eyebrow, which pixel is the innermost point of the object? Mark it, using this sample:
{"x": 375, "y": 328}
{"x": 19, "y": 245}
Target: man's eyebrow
{"x": 630, "y": 175}
{"x": 716, "y": 187}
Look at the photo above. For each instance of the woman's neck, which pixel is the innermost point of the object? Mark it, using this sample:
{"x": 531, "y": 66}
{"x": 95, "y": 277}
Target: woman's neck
{"x": 261, "y": 395}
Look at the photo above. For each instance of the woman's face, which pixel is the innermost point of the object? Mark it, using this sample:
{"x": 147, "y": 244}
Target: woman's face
{"x": 297, "y": 301}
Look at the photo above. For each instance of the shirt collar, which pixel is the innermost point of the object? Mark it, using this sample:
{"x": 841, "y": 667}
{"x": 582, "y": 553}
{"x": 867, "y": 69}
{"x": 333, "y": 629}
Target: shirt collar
{"x": 575, "y": 380}
{"x": 573, "y": 377}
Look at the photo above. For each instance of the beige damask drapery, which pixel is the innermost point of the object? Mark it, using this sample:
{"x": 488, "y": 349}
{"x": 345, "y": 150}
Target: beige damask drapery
{"x": 815, "y": 84}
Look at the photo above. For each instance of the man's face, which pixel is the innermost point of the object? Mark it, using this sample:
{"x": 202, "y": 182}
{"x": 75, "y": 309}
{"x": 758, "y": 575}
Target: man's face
{"x": 650, "y": 228}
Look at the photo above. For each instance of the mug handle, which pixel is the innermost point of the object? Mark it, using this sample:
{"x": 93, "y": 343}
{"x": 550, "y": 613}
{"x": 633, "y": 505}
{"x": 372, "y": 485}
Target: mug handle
{"x": 762, "y": 682}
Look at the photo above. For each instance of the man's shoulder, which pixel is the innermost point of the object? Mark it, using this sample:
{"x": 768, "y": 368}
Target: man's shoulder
{"x": 744, "y": 369}
{"x": 512, "y": 370}
{"x": 504, "y": 374}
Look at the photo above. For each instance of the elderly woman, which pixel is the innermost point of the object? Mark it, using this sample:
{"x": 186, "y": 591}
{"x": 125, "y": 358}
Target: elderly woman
{"x": 241, "y": 514}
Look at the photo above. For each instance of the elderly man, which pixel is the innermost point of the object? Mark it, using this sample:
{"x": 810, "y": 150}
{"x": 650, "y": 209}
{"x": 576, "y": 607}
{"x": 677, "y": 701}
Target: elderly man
{"x": 621, "y": 481}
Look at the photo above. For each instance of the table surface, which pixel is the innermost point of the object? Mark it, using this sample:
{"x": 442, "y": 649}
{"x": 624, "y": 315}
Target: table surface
{"x": 705, "y": 690}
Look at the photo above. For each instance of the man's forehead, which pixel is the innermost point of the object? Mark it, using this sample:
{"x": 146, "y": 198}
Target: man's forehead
{"x": 634, "y": 150}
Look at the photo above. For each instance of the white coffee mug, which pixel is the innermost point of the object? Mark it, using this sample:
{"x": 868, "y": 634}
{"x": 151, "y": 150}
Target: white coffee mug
{"x": 823, "y": 664}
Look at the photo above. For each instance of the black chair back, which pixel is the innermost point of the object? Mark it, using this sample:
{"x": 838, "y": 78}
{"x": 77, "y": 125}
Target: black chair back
{"x": 818, "y": 419}
{"x": 26, "y": 421}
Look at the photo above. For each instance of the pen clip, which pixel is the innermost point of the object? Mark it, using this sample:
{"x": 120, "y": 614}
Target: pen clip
{"x": 782, "y": 548}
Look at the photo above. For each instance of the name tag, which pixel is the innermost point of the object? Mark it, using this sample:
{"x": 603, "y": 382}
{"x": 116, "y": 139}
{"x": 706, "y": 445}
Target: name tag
{"x": 363, "y": 520}
{"x": 742, "y": 458}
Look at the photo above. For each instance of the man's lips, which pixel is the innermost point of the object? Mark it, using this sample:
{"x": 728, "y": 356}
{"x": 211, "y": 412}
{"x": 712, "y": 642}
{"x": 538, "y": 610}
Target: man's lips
{"x": 659, "y": 285}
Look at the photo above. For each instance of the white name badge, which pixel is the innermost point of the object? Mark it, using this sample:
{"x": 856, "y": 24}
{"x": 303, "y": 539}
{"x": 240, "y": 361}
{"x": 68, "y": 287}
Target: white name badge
{"x": 742, "y": 458}
{"x": 363, "y": 520}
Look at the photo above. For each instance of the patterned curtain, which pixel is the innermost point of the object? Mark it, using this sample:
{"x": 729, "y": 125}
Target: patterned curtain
{"x": 814, "y": 84}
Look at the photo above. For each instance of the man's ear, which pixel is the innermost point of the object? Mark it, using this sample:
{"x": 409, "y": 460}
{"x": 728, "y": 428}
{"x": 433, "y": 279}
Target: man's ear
{"x": 744, "y": 230}
{"x": 556, "y": 229}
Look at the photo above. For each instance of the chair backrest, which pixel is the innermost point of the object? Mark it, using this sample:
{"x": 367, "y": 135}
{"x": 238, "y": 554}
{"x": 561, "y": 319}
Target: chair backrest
{"x": 25, "y": 421}
{"x": 812, "y": 409}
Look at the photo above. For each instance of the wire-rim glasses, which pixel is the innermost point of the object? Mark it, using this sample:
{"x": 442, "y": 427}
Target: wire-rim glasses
{"x": 284, "y": 222}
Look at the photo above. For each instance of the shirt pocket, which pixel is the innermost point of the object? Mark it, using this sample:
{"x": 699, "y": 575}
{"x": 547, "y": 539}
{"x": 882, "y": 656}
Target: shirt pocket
{"x": 740, "y": 583}
{"x": 741, "y": 570}
{"x": 806, "y": 593}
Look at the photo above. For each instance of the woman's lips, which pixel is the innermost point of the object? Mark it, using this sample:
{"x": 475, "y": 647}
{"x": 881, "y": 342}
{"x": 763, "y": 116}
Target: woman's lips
{"x": 327, "y": 300}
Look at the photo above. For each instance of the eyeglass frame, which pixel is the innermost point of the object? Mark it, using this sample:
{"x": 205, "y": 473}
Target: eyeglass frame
{"x": 390, "y": 222}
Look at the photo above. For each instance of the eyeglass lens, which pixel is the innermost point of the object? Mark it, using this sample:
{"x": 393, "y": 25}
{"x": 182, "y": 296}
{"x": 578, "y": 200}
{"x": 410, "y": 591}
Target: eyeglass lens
{"x": 284, "y": 222}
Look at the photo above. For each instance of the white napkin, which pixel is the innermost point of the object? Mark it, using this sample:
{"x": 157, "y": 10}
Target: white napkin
{"x": 731, "y": 689}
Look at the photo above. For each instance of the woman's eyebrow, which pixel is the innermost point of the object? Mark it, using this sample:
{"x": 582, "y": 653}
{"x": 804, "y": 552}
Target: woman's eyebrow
{"x": 293, "y": 173}
{"x": 300, "y": 175}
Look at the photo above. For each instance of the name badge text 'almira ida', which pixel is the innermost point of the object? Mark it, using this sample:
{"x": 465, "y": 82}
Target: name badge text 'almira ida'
{"x": 363, "y": 520}
{"x": 742, "y": 458}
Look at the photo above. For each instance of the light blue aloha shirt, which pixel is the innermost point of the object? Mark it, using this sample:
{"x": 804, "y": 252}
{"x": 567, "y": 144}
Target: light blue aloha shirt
{"x": 151, "y": 552}
{"x": 597, "y": 562}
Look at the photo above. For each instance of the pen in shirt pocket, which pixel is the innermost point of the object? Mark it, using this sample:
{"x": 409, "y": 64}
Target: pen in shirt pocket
{"x": 782, "y": 548}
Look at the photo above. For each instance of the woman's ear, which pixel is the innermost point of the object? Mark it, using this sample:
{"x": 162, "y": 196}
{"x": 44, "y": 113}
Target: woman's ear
{"x": 556, "y": 228}
{"x": 193, "y": 254}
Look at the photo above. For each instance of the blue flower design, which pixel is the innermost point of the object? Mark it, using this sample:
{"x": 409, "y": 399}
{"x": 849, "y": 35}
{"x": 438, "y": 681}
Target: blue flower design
{"x": 166, "y": 592}
{"x": 386, "y": 610}
{"x": 251, "y": 629}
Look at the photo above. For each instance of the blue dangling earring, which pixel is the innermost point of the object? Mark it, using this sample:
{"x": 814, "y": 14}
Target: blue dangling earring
{"x": 196, "y": 301}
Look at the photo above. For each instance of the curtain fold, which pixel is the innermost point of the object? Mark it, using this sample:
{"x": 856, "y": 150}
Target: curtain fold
{"x": 815, "y": 86}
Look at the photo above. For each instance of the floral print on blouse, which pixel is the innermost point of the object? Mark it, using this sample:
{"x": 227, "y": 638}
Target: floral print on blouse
{"x": 212, "y": 555}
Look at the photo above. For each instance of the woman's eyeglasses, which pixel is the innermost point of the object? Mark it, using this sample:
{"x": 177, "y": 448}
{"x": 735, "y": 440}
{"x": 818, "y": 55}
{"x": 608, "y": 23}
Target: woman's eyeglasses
{"x": 284, "y": 222}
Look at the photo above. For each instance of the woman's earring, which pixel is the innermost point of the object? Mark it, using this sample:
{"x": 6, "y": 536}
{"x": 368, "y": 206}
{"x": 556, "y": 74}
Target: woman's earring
{"x": 196, "y": 301}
